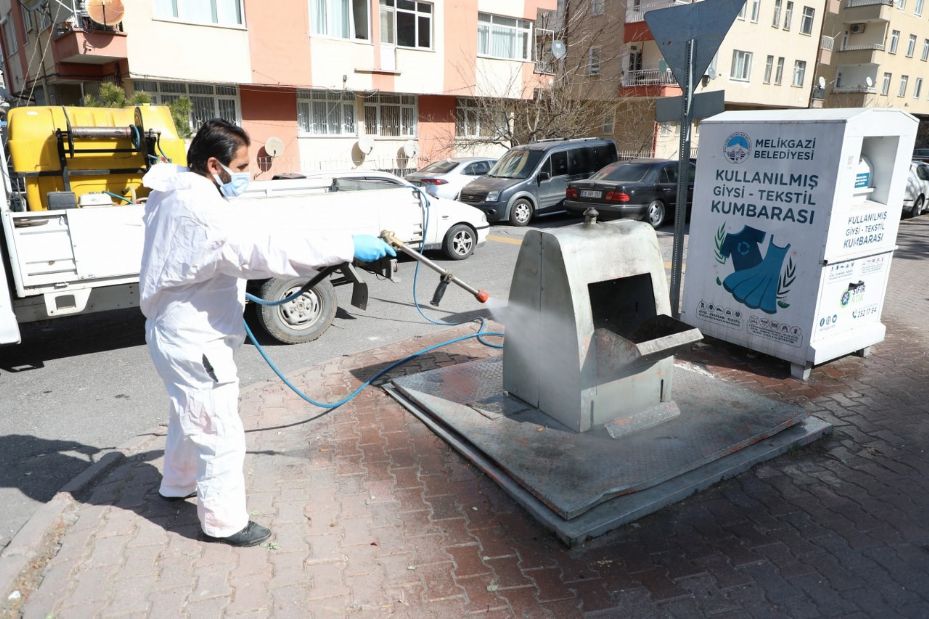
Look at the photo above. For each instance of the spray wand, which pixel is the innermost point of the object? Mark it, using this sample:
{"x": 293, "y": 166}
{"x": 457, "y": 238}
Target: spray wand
{"x": 446, "y": 277}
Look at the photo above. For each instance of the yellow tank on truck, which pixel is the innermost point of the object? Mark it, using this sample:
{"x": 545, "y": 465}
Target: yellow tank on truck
{"x": 81, "y": 150}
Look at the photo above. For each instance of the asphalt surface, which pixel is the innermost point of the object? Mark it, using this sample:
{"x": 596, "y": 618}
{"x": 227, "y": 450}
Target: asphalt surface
{"x": 76, "y": 388}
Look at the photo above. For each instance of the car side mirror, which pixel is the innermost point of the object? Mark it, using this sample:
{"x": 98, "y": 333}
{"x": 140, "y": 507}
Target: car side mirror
{"x": 543, "y": 176}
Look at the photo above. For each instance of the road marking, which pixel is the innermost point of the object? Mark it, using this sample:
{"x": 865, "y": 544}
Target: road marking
{"x": 504, "y": 239}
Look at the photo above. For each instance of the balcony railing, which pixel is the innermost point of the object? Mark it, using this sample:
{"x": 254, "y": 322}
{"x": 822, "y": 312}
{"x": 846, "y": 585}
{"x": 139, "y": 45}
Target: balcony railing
{"x": 649, "y": 77}
{"x": 853, "y": 3}
{"x": 862, "y": 88}
{"x": 861, "y": 46}
{"x": 636, "y": 10}
{"x": 826, "y": 43}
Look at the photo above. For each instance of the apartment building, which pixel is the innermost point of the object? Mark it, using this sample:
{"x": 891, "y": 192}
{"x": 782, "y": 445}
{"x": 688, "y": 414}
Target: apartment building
{"x": 342, "y": 83}
{"x": 767, "y": 60}
{"x": 880, "y": 55}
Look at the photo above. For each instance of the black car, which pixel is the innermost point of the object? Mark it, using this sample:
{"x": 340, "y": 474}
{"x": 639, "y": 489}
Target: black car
{"x": 643, "y": 188}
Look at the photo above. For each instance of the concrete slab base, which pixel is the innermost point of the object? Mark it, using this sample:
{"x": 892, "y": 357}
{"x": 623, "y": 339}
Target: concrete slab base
{"x": 576, "y": 503}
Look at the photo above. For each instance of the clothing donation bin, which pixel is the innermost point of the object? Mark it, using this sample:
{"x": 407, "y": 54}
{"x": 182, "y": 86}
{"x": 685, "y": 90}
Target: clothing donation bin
{"x": 794, "y": 224}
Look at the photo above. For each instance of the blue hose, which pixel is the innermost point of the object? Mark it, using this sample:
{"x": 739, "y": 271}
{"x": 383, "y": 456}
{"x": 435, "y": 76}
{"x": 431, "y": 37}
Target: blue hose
{"x": 479, "y": 335}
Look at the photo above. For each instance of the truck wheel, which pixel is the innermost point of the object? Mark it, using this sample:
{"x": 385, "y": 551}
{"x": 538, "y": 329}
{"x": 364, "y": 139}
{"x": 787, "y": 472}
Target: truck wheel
{"x": 299, "y": 321}
{"x": 460, "y": 242}
{"x": 521, "y": 213}
{"x": 918, "y": 206}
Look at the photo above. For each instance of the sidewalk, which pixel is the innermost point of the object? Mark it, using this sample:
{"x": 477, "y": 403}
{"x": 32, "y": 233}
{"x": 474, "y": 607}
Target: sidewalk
{"x": 374, "y": 516}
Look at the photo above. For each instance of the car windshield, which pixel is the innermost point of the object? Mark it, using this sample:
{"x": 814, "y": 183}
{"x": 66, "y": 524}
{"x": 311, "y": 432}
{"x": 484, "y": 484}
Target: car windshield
{"x": 623, "y": 172}
{"x": 516, "y": 164}
{"x": 440, "y": 167}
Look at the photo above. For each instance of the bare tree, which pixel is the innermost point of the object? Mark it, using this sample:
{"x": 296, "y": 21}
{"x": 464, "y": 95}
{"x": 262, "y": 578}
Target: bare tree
{"x": 574, "y": 94}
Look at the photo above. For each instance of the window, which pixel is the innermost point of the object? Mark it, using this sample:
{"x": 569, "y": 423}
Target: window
{"x": 503, "y": 37}
{"x": 321, "y": 112}
{"x": 799, "y": 72}
{"x": 343, "y": 19}
{"x": 9, "y": 33}
{"x": 477, "y": 168}
{"x": 904, "y": 80}
{"x": 207, "y": 100}
{"x": 779, "y": 71}
{"x": 593, "y": 61}
{"x": 911, "y": 46}
{"x": 635, "y": 58}
{"x": 806, "y": 22}
{"x": 776, "y": 22}
{"x": 885, "y": 86}
{"x": 390, "y": 115}
{"x": 900, "y": 4}
{"x": 917, "y": 87}
{"x": 742, "y": 12}
{"x": 756, "y": 10}
{"x": 788, "y": 14}
{"x": 406, "y": 23}
{"x": 918, "y": 9}
{"x": 838, "y": 79}
{"x": 596, "y": 7}
{"x": 472, "y": 120}
{"x": 557, "y": 164}
{"x": 219, "y": 12}
{"x": 768, "y": 68}
{"x": 894, "y": 41}
{"x": 925, "y": 54}
{"x": 668, "y": 174}
{"x": 741, "y": 65}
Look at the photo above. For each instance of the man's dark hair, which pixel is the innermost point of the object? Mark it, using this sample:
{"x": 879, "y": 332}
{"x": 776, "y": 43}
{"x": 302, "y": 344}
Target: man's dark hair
{"x": 216, "y": 138}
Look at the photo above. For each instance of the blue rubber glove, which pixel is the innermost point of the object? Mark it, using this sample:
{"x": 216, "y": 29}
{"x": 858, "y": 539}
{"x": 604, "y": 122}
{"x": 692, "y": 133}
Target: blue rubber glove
{"x": 370, "y": 248}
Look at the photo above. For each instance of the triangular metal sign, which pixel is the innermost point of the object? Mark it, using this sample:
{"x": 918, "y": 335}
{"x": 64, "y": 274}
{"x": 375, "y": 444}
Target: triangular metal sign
{"x": 705, "y": 22}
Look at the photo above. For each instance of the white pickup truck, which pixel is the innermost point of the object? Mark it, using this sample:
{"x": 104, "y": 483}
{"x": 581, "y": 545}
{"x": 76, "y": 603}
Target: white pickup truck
{"x": 66, "y": 261}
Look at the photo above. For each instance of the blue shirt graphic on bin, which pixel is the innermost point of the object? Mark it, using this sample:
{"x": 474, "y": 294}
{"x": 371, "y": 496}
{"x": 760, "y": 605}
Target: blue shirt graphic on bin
{"x": 743, "y": 247}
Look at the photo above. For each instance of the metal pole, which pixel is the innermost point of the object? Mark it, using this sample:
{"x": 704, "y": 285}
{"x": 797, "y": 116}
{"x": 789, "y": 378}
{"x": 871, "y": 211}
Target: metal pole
{"x": 683, "y": 177}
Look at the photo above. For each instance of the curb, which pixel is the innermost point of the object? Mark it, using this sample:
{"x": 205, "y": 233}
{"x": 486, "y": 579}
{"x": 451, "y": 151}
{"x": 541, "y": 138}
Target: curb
{"x": 29, "y": 542}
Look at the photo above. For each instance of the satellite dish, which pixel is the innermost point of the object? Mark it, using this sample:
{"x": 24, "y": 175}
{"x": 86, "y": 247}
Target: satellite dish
{"x": 410, "y": 148}
{"x": 366, "y": 144}
{"x": 821, "y": 82}
{"x": 105, "y": 12}
{"x": 869, "y": 82}
{"x": 274, "y": 146}
{"x": 559, "y": 49}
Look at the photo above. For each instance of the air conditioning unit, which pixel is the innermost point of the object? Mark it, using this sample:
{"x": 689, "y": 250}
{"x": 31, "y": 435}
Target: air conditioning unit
{"x": 857, "y": 28}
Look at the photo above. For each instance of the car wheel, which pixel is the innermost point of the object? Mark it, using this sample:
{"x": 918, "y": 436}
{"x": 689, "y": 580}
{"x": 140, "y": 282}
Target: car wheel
{"x": 299, "y": 321}
{"x": 521, "y": 213}
{"x": 918, "y": 206}
{"x": 460, "y": 242}
{"x": 655, "y": 213}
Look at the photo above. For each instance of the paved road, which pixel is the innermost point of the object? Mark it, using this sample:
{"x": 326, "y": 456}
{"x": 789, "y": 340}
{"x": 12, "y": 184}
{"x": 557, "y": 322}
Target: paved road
{"x": 79, "y": 387}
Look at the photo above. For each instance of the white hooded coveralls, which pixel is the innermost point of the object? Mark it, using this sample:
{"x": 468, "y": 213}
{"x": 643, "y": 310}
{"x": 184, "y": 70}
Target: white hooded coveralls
{"x": 199, "y": 252}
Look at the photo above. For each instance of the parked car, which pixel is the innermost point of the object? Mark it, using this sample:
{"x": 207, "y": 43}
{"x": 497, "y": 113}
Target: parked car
{"x": 445, "y": 178}
{"x": 644, "y": 188}
{"x": 455, "y": 228}
{"x": 531, "y": 179}
{"x": 921, "y": 154}
{"x": 358, "y": 202}
{"x": 917, "y": 190}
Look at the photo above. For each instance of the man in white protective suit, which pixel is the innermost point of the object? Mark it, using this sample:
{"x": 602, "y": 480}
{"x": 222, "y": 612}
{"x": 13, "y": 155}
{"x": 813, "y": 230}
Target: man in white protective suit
{"x": 198, "y": 255}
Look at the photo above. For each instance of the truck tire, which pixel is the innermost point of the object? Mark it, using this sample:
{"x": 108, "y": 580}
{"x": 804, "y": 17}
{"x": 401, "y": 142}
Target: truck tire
{"x": 302, "y": 320}
{"x": 459, "y": 242}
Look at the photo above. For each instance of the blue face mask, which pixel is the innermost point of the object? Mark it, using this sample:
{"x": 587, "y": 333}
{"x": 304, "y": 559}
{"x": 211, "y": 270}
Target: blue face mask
{"x": 238, "y": 181}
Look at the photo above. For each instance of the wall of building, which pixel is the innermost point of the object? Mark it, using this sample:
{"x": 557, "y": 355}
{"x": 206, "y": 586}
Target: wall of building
{"x": 270, "y": 112}
{"x": 171, "y": 50}
{"x": 279, "y": 41}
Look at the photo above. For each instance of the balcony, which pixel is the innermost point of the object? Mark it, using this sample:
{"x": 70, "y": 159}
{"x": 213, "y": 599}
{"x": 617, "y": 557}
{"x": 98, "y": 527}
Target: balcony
{"x": 857, "y": 47}
{"x": 864, "y": 11}
{"x": 89, "y": 46}
{"x": 649, "y": 83}
{"x": 635, "y": 11}
{"x": 649, "y": 77}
